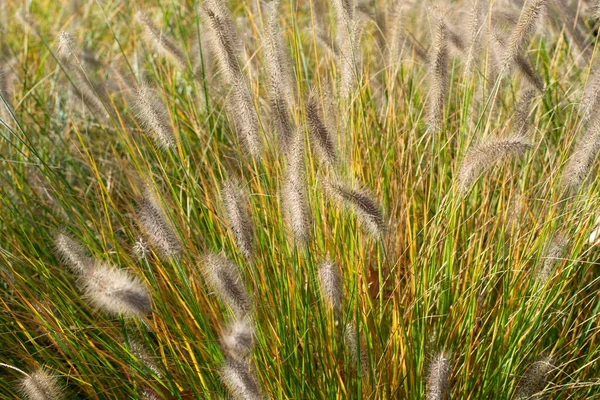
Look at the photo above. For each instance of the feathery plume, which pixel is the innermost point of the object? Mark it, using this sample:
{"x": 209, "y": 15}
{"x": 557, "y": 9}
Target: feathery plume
{"x": 140, "y": 352}
{"x": 238, "y": 339}
{"x": 159, "y": 232}
{"x": 67, "y": 52}
{"x": 41, "y": 385}
{"x": 475, "y": 29}
{"x": 6, "y": 89}
{"x": 239, "y": 377}
{"x": 330, "y": 284}
{"x": 589, "y": 105}
{"x": 223, "y": 277}
{"x": 522, "y": 32}
{"x": 278, "y": 71}
{"x": 295, "y": 192}
{"x": 481, "y": 157}
{"x": 223, "y": 39}
{"x": 536, "y": 378}
{"x": 438, "y": 84}
{"x": 552, "y": 256}
{"x": 369, "y": 213}
{"x": 73, "y": 254}
{"x": 245, "y": 118}
{"x": 355, "y": 346}
{"x": 523, "y": 108}
{"x": 238, "y": 216}
{"x": 582, "y": 159}
{"x": 161, "y": 42}
{"x": 153, "y": 116}
{"x": 347, "y": 43}
{"x": 225, "y": 46}
{"x": 115, "y": 291}
{"x": 437, "y": 381}
{"x": 321, "y": 139}
{"x": 394, "y": 33}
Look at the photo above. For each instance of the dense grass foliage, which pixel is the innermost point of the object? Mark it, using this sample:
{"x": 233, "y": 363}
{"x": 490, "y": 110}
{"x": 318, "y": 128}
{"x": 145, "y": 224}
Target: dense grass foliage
{"x": 306, "y": 200}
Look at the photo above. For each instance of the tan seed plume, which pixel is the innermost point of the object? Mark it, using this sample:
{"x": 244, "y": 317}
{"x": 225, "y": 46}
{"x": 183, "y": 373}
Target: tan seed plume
{"x": 158, "y": 231}
{"x": 482, "y": 157}
{"x": 223, "y": 276}
{"x": 330, "y": 284}
{"x": 356, "y": 347}
{"x": 369, "y": 213}
{"x": 237, "y": 212}
{"x": 536, "y": 378}
{"x": 582, "y": 158}
{"x": 153, "y": 116}
{"x": 41, "y": 385}
{"x": 438, "y": 79}
{"x": 295, "y": 201}
{"x": 321, "y": 138}
{"x": 438, "y": 378}
{"x": 519, "y": 39}
{"x": 552, "y": 256}
{"x": 161, "y": 42}
{"x": 73, "y": 254}
{"x": 590, "y": 101}
{"x": 240, "y": 379}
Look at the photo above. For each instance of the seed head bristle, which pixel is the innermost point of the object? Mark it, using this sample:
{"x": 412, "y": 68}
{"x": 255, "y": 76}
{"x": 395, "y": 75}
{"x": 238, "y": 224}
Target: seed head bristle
{"x": 140, "y": 352}
{"x": 223, "y": 40}
{"x": 590, "y": 102}
{"x": 295, "y": 192}
{"x": 330, "y": 284}
{"x": 73, "y": 254}
{"x": 153, "y": 115}
{"x": 523, "y": 109}
{"x": 158, "y": 231}
{"x": 369, "y": 213}
{"x": 481, "y": 157}
{"x": 161, "y": 42}
{"x": 394, "y": 33}
{"x": 347, "y": 43}
{"x": 355, "y": 347}
{"x": 238, "y": 216}
{"x": 223, "y": 276}
{"x": 552, "y": 256}
{"x": 536, "y": 378}
{"x": 522, "y": 32}
{"x": 240, "y": 379}
{"x": 321, "y": 139}
{"x": 278, "y": 71}
{"x": 66, "y": 46}
{"x": 41, "y": 385}
{"x": 238, "y": 339}
{"x": 245, "y": 118}
{"x": 438, "y": 84}
{"x": 438, "y": 379}
{"x": 476, "y": 27}
{"x": 582, "y": 159}
{"x": 115, "y": 291}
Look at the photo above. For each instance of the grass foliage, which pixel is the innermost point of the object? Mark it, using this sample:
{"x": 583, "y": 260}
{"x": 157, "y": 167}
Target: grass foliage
{"x": 300, "y": 199}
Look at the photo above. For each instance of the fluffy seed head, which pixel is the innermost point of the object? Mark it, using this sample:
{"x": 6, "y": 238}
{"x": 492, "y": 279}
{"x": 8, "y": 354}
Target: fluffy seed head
{"x": 439, "y": 374}
{"x": 153, "y": 116}
{"x": 552, "y": 256}
{"x": 321, "y": 139}
{"x": 240, "y": 379}
{"x": 158, "y": 231}
{"x": 238, "y": 338}
{"x": 355, "y": 347}
{"x": 582, "y": 159}
{"x": 223, "y": 40}
{"x": 523, "y": 108}
{"x": 41, "y": 385}
{"x": 115, "y": 291}
{"x": 241, "y": 107}
{"x": 330, "y": 283}
{"x": 590, "y": 101}
{"x": 295, "y": 192}
{"x": 525, "y": 28}
{"x": 161, "y": 42}
{"x": 66, "y": 45}
{"x": 369, "y": 213}
{"x": 223, "y": 276}
{"x": 140, "y": 352}
{"x": 438, "y": 84}
{"x": 482, "y": 157}
{"x": 238, "y": 216}
{"x": 73, "y": 254}
{"x": 536, "y": 378}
